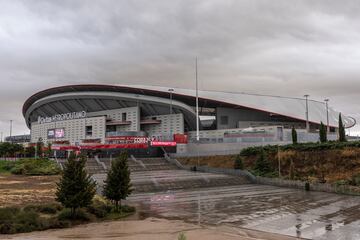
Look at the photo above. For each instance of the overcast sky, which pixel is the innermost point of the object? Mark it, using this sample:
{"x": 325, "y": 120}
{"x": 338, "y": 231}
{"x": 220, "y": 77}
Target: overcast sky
{"x": 287, "y": 48}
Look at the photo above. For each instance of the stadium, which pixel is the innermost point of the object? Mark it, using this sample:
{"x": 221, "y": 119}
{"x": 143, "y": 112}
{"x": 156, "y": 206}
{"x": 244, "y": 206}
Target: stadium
{"x": 109, "y": 117}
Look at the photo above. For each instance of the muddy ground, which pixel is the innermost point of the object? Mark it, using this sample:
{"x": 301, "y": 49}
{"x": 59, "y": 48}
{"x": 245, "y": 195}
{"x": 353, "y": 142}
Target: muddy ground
{"x": 149, "y": 229}
{"x": 19, "y": 190}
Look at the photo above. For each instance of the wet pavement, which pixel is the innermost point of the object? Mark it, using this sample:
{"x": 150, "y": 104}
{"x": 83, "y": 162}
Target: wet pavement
{"x": 216, "y": 199}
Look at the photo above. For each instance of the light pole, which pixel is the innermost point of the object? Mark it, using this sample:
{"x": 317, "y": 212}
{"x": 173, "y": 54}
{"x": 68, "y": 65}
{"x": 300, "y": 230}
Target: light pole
{"x": 170, "y": 93}
{"x": 327, "y": 114}
{"x": 1, "y": 136}
{"x": 307, "y": 113}
{"x": 11, "y": 130}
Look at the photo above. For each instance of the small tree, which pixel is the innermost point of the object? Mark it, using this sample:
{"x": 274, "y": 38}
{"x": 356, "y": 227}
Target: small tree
{"x": 48, "y": 150}
{"x": 292, "y": 171}
{"x": 238, "y": 163}
{"x": 76, "y": 189}
{"x": 117, "y": 184}
{"x": 294, "y": 135}
{"x": 30, "y": 151}
{"x": 322, "y": 133}
{"x": 39, "y": 148}
{"x": 342, "y": 137}
{"x": 262, "y": 165}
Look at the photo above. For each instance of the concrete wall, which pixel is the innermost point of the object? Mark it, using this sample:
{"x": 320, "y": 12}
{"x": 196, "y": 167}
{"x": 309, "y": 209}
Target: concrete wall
{"x": 132, "y": 115}
{"x": 74, "y": 129}
{"x": 244, "y": 118}
{"x": 173, "y": 122}
{"x": 209, "y": 149}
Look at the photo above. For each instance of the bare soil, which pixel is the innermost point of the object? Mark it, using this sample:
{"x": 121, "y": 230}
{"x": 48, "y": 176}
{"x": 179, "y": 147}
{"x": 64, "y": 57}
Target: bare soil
{"x": 19, "y": 190}
{"x": 149, "y": 229}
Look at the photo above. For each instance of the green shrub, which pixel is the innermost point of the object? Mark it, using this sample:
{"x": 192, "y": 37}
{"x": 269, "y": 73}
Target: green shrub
{"x": 238, "y": 163}
{"x": 292, "y": 171}
{"x": 14, "y": 220}
{"x": 99, "y": 207}
{"x": 7, "y": 214}
{"x": 355, "y": 180}
{"x": 262, "y": 165}
{"x": 181, "y": 236}
{"x": 341, "y": 182}
{"x": 80, "y": 214}
{"x": 49, "y": 208}
{"x": 302, "y": 147}
{"x": 30, "y": 167}
{"x": 128, "y": 209}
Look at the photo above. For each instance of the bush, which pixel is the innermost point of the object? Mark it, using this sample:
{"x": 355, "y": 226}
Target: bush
{"x": 292, "y": 171}
{"x": 355, "y": 180}
{"x": 49, "y": 208}
{"x": 80, "y": 214}
{"x": 238, "y": 163}
{"x": 181, "y": 236}
{"x": 127, "y": 209}
{"x": 30, "y": 167}
{"x": 13, "y": 220}
{"x": 302, "y": 147}
{"x": 99, "y": 207}
{"x": 262, "y": 165}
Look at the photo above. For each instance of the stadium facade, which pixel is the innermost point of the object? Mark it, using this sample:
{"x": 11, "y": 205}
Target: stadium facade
{"x": 111, "y": 116}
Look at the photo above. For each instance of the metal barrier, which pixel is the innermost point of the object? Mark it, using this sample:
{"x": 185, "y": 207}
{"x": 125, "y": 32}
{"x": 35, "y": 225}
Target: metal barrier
{"x": 100, "y": 163}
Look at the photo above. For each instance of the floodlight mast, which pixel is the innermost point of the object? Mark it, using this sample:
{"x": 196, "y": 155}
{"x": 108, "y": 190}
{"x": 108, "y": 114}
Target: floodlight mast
{"x": 197, "y": 102}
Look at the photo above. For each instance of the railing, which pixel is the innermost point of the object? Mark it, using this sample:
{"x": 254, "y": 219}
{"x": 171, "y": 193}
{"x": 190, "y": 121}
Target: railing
{"x": 228, "y": 171}
{"x": 320, "y": 187}
{"x": 137, "y": 161}
{"x": 100, "y": 163}
{"x": 57, "y": 162}
{"x": 173, "y": 160}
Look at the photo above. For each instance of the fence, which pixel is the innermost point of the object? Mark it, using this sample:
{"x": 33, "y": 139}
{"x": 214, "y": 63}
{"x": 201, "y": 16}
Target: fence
{"x": 320, "y": 187}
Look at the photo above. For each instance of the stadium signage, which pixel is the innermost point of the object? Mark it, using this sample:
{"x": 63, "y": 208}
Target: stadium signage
{"x": 62, "y": 117}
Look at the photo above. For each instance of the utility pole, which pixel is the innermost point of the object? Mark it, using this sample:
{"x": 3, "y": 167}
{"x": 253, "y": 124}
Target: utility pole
{"x": 170, "y": 93}
{"x": 197, "y": 103}
{"x": 11, "y": 130}
{"x": 307, "y": 113}
{"x": 197, "y": 113}
{"x": 327, "y": 115}
{"x": 1, "y": 136}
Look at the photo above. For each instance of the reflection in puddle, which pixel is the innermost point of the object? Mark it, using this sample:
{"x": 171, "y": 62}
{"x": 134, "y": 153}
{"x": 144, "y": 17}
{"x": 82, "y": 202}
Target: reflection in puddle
{"x": 266, "y": 208}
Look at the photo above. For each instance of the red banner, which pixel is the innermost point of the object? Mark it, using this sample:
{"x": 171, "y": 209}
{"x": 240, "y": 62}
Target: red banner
{"x": 101, "y": 146}
{"x": 181, "y": 138}
{"x": 163, "y": 144}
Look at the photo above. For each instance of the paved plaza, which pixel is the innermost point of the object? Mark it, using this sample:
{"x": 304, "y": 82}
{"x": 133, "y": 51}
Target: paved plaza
{"x": 214, "y": 199}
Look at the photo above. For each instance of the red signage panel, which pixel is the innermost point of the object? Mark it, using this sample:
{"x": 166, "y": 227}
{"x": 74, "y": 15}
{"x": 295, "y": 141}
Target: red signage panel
{"x": 163, "y": 144}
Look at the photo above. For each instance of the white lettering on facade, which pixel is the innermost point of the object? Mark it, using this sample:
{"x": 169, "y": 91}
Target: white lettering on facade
{"x": 62, "y": 117}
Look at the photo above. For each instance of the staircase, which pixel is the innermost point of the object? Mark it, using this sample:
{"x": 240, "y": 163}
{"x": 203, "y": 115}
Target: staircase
{"x": 93, "y": 167}
{"x": 158, "y": 175}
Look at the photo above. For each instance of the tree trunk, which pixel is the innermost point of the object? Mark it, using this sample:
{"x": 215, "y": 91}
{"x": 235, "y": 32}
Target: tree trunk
{"x": 120, "y": 206}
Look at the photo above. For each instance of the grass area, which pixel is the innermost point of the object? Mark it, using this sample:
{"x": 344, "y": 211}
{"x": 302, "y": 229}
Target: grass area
{"x": 330, "y": 162}
{"x": 52, "y": 215}
{"x": 29, "y": 166}
{"x": 301, "y": 147}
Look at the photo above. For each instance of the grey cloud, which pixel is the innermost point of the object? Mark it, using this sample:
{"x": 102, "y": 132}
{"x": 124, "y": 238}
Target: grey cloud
{"x": 272, "y": 47}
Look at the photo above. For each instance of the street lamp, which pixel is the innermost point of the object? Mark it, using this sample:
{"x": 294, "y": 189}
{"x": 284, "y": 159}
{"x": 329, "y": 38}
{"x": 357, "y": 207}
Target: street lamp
{"x": 11, "y": 130}
{"x": 327, "y": 114}
{"x": 170, "y": 93}
{"x": 307, "y": 113}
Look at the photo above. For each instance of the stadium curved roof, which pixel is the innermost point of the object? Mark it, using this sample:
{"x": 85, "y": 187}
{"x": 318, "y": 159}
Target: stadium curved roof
{"x": 58, "y": 100}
